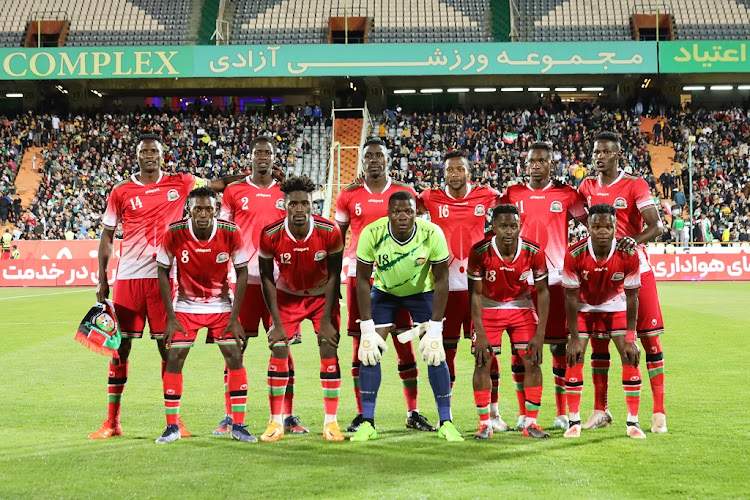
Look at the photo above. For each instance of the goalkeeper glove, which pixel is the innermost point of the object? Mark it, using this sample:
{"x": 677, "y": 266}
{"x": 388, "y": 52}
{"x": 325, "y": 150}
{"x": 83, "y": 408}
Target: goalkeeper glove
{"x": 371, "y": 345}
{"x": 431, "y": 345}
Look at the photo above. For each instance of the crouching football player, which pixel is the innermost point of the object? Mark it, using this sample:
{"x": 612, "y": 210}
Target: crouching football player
{"x": 203, "y": 247}
{"x": 601, "y": 300}
{"x": 499, "y": 271}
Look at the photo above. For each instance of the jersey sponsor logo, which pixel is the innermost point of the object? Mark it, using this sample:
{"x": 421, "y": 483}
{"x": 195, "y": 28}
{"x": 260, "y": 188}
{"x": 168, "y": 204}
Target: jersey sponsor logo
{"x": 618, "y": 276}
{"x": 600, "y": 269}
{"x": 280, "y": 203}
{"x": 479, "y": 210}
{"x": 173, "y": 195}
{"x": 262, "y": 195}
{"x": 320, "y": 255}
{"x": 524, "y": 276}
{"x": 149, "y": 191}
{"x": 420, "y": 261}
{"x": 222, "y": 257}
{"x": 620, "y": 203}
{"x": 555, "y": 206}
{"x": 504, "y": 268}
{"x": 373, "y": 200}
{"x": 536, "y": 197}
{"x": 203, "y": 250}
{"x": 298, "y": 249}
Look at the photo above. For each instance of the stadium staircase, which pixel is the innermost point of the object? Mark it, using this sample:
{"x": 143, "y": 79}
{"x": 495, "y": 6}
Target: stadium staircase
{"x": 27, "y": 180}
{"x": 347, "y": 132}
{"x": 661, "y": 156}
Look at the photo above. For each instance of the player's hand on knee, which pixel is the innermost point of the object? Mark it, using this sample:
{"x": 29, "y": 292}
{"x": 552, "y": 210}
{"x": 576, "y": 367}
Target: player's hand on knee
{"x": 235, "y": 329}
{"x": 535, "y": 347}
{"x": 431, "y": 345}
{"x": 173, "y": 326}
{"x": 574, "y": 352}
{"x": 482, "y": 354}
{"x": 632, "y": 353}
{"x": 277, "y": 335}
{"x": 371, "y": 345}
{"x": 328, "y": 334}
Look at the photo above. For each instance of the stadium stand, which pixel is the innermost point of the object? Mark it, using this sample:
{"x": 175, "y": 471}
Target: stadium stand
{"x": 102, "y": 22}
{"x": 94, "y": 152}
{"x": 589, "y": 20}
{"x": 307, "y": 21}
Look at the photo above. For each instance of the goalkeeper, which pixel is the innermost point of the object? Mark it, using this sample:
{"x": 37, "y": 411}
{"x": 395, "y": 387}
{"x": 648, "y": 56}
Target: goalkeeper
{"x": 411, "y": 259}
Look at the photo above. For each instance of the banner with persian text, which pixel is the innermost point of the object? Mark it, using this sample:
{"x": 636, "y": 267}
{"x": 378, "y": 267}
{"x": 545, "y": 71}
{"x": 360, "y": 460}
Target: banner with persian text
{"x": 701, "y": 267}
{"x": 53, "y": 272}
{"x": 418, "y": 59}
{"x": 706, "y": 56}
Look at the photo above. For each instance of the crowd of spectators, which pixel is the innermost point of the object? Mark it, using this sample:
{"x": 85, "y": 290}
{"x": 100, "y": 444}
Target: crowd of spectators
{"x": 88, "y": 154}
{"x": 85, "y": 155}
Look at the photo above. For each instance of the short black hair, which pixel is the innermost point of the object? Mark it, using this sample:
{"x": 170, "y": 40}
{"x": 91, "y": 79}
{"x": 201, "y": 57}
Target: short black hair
{"x": 401, "y": 196}
{"x": 375, "y": 141}
{"x": 603, "y": 208}
{"x": 297, "y": 183}
{"x": 607, "y": 136}
{"x": 149, "y": 137}
{"x": 456, "y": 153}
{"x": 263, "y": 138}
{"x": 505, "y": 208}
{"x": 544, "y": 146}
{"x": 201, "y": 192}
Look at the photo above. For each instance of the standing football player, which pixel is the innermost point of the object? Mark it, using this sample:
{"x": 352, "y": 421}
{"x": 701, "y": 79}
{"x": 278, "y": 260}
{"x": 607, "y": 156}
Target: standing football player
{"x": 638, "y": 222}
{"x": 412, "y": 273}
{"x": 145, "y": 203}
{"x": 253, "y": 203}
{"x": 357, "y": 206}
{"x": 601, "y": 301}
{"x": 546, "y": 207}
{"x": 203, "y": 247}
{"x": 500, "y": 268}
{"x": 308, "y": 251}
{"x": 460, "y": 210}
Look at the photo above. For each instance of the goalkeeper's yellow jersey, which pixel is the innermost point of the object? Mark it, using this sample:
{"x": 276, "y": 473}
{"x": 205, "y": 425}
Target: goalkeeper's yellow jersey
{"x": 403, "y": 268}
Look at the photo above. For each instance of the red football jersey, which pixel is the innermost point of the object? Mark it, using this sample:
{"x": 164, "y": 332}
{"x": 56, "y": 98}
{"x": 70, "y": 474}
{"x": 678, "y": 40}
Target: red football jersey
{"x": 203, "y": 266}
{"x": 146, "y": 210}
{"x": 303, "y": 265}
{"x": 505, "y": 285}
{"x": 462, "y": 220}
{"x": 252, "y": 208}
{"x": 357, "y": 206}
{"x": 601, "y": 284}
{"x": 544, "y": 218}
{"x": 630, "y": 195}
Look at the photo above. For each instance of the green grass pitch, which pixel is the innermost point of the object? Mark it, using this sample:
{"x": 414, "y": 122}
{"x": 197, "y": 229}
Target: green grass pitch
{"x": 52, "y": 394}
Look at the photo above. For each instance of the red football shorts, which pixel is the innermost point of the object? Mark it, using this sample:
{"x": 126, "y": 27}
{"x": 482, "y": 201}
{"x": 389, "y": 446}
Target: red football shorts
{"x": 519, "y": 323}
{"x": 216, "y": 324}
{"x": 293, "y": 309}
{"x": 557, "y": 326}
{"x": 403, "y": 320}
{"x": 254, "y": 311}
{"x": 457, "y": 316}
{"x": 602, "y": 324}
{"x": 650, "y": 321}
{"x": 136, "y": 301}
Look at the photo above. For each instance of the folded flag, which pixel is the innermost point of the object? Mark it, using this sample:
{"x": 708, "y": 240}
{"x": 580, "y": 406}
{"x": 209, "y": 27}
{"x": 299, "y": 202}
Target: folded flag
{"x": 99, "y": 330}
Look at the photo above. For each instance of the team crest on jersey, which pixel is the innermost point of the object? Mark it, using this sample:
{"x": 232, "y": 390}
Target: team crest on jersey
{"x": 222, "y": 257}
{"x": 556, "y": 206}
{"x": 420, "y": 261}
{"x": 479, "y": 210}
{"x": 620, "y": 203}
{"x": 173, "y": 195}
{"x": 320, "y": 255}
{"x": 525, "y": 275}
{"x": 280, "y": 203}
{"x": 618, "y": 276}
